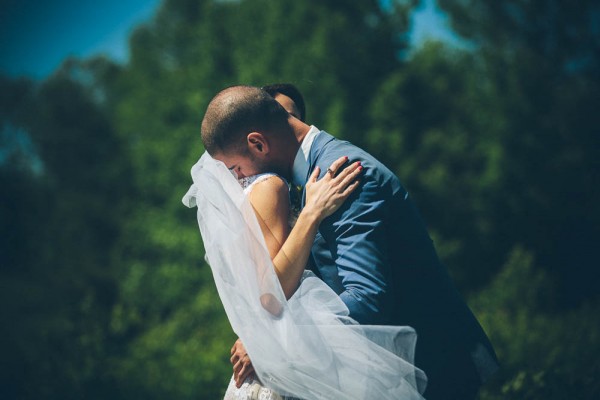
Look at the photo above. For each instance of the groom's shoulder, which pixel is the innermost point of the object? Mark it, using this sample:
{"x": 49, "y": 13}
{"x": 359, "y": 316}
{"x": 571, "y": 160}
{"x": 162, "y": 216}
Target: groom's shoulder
{"x": 376, "y": 176}
{"x": 332, "y": 148}
{"x": 329, "y": 146}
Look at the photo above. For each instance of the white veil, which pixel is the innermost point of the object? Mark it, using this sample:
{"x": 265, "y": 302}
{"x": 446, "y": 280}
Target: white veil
{"x": 306, "y": 346}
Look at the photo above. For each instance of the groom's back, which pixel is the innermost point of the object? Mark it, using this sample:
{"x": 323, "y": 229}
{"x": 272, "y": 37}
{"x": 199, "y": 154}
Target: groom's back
{"x": 376, "y": 253}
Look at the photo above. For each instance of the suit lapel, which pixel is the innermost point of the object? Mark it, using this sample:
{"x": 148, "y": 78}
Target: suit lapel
{"x": 315, "y": 151}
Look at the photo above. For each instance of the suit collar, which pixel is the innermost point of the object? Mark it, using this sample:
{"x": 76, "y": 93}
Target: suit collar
{"x": 301, "y": 166}
{"x": 316, "y": 149}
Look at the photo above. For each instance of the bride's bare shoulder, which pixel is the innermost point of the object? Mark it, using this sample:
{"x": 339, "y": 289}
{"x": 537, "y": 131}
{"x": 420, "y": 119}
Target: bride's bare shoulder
{"x": 271, "y": 189}
{"x": 271, "y": 202}
{"x": 270, "y": 184}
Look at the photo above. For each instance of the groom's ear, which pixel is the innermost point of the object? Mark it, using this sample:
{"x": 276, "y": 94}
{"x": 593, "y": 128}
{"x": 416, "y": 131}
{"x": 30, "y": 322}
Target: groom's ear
{"x": 258, "y": 143}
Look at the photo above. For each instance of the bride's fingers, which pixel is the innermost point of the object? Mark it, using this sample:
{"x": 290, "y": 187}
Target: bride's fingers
{"x": 333, "y": 168}
{"x": 246, "y": 370}
{"x": 348, "y": 170}
{"x": 314, "y": 175}
{"x": 349, "y": 175}
{"x": 237, "y": 367}
{"x": 350, "y": 189}
{"x": 237, "y": 374}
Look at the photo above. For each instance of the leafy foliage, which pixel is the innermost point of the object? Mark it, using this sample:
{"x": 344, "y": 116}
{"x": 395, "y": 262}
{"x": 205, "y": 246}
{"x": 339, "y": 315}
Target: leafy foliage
{"x": 546, "y": 353}
{"x": 104, "y": 290}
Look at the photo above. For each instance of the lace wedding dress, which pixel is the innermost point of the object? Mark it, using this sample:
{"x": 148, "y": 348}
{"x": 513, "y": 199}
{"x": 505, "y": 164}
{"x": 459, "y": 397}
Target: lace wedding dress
{"x": 252, "y": 388}
{"x": 304, "y": 347}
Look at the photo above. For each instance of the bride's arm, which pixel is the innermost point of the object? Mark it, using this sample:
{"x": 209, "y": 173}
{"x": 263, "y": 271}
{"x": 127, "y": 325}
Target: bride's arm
{"x": 289, "y": 250}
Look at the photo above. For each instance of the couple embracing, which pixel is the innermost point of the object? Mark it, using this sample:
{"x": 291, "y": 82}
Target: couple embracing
{"x": 341, "y": 296}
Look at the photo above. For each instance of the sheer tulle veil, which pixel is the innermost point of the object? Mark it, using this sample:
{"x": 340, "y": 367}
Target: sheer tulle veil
{"x": 306, "y": 346}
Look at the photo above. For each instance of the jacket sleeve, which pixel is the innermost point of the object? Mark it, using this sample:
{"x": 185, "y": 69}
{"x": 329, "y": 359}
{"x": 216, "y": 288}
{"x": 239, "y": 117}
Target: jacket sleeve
{"x": 356, "y": 237}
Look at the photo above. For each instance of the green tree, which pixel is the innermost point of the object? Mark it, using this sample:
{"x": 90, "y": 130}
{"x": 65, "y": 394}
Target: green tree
{"x": 434, "y": 124}
{"x": 545, "y": 353}
{"x": 61, "y": 217}
{"x": 543, "y": 59}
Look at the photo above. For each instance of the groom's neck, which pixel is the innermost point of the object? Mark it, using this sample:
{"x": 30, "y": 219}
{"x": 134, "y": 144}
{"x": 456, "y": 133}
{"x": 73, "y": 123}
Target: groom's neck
{"x": 299, "y": 128}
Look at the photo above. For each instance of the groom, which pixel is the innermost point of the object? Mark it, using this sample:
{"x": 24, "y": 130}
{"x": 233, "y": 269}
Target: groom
{"x": 374, "y": 251}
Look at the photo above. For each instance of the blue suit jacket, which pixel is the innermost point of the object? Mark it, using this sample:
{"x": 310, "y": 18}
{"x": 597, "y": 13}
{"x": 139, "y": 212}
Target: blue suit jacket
{"x": 375, "y": 252}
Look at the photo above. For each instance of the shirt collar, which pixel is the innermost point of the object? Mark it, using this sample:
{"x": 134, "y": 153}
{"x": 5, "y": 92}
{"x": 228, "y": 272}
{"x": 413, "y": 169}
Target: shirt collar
{"x": 300, "y": 167}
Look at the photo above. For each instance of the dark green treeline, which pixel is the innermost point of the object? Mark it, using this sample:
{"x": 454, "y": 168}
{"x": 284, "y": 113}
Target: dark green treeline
{"x": 104, "y": 292}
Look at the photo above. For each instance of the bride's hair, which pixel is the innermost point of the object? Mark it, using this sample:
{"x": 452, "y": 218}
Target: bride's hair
{"x": 237, "y": 111}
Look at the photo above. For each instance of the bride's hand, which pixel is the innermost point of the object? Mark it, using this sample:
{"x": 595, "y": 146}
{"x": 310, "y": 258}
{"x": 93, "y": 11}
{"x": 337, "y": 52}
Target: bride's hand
{"x": 325, "y": 196}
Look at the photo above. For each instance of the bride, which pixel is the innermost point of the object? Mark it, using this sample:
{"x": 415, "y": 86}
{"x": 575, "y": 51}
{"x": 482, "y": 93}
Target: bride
{"x": 294, "y": 327}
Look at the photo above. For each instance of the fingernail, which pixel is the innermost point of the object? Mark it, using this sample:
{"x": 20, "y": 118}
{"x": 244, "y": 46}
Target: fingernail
{"x": 346, "y": 157}
{"x": 360, "y": 168}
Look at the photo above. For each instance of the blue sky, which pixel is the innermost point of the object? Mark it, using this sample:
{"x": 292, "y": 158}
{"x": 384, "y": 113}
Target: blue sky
{"x": 36, "y": 35}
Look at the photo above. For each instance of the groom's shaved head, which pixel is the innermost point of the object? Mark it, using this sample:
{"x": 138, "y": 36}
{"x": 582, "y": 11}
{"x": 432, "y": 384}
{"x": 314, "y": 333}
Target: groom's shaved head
{"x": 237, "y": 111}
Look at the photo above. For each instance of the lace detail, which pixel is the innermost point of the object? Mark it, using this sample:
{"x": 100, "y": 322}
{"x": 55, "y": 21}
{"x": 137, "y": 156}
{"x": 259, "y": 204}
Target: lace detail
{"x": 248, "y": 183}
{"x": 252, "y": 389}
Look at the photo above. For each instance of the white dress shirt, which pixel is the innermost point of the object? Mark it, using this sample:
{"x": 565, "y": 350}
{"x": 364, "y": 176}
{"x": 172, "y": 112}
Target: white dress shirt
{"x": 300, "y": 167}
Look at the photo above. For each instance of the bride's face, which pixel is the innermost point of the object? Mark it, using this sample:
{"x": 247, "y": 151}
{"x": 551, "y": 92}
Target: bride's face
{"x": 262, "y": 153}
{"x": 242, "y": 165}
